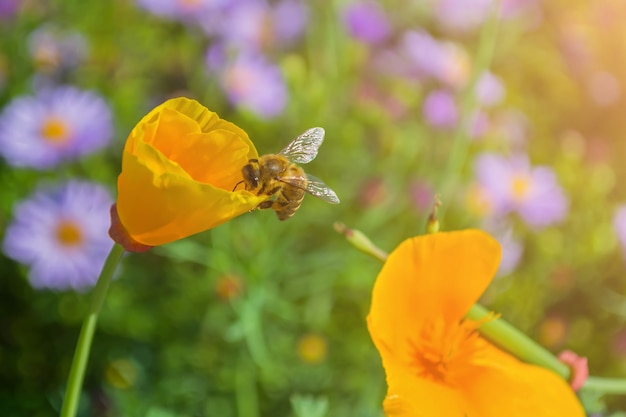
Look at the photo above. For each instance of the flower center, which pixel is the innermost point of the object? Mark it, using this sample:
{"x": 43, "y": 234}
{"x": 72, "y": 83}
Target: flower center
{"x": 520, "y": 186}
{"x": 55, "y": 131}
{"x": 69, "y": 234}
{"x": 444, "y": 352}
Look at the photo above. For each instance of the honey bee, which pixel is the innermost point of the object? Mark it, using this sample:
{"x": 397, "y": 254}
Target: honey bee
{"x": 279, "y": 176}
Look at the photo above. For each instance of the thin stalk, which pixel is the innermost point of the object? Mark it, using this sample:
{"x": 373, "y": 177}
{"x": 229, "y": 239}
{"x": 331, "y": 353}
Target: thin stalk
{"x": 484, "y": 56}
{"x": 83, "y": 346}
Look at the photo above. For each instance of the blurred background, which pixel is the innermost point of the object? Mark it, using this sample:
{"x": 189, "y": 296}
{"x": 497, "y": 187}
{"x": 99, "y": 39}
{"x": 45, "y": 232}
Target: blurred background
{"x": 511, "y": 111}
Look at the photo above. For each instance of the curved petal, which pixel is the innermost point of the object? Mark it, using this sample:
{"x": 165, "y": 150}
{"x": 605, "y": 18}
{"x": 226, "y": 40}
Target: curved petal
{"x": 411, "y": 396}
{"x": 501, "y": 382}
{"x": 159, "y": 206}
{"x": 208, "y": 148}
{"x": 436, "y": 275}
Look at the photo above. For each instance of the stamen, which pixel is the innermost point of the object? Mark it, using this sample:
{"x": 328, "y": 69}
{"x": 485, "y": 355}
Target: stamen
{"x": 444, "y": 352}
{"x": 55, "y": 131}
{"x": 69, "y": 234}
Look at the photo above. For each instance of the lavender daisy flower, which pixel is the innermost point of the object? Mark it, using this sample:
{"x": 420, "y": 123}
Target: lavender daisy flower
{"x": 513, "y": 185}
{"x": 366, "y": 22}
{"x": 60, "y": 233}
{"x": 56, "y": 125}
{"x": 440, "y": 110}
{"x": 252, "y": 83}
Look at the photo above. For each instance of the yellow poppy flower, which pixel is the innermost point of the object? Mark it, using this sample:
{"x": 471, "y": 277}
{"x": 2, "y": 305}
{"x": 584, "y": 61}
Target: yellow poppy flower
{"x": 179, "y": 168}
{"x": 436, "y": 362}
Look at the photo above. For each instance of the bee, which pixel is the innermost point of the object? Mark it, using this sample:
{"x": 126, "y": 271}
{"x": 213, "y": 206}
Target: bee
{"x": 279, "y": 176}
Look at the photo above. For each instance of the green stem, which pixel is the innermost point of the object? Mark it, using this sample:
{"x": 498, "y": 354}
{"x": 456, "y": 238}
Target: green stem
{"x": 512, "y": 340}
{"x": 484, "y": 55}
{"x": 83, "y": 346}
{"x": 605, "y": 385}
{"x": 245, "y": 389}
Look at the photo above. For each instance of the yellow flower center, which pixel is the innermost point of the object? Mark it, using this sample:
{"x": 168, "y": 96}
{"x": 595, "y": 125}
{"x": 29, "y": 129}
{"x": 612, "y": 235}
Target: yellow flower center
{"x": 445, "y": 352}
{"x": 520, "y": 186}
{"x": 55, "y": 131}
{"x": 69, "y": 234}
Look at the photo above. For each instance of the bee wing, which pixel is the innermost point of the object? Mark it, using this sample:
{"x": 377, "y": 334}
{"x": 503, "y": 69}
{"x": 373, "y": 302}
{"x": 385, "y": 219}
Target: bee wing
{"x": 313, "y": 186}
{"x": 317, "y": 188}
{"x": 303, "y": 149}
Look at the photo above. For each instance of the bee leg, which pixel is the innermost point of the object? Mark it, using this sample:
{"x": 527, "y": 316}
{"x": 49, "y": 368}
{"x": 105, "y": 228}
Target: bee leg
{"x": 279, "y": 204}
{"x": 265, "y": 205}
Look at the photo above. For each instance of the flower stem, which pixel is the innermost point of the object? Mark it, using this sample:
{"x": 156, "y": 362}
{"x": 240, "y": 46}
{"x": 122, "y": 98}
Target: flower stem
{"x": 605, "y": 385}
{"x": 512, "y": 340}
{"x": 482, "y": 62}
{"x": 83, "y": 346}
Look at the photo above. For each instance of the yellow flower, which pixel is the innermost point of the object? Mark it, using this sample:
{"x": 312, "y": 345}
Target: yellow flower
{"x": 436, "y": 362}
{"x": 179, "y": 168}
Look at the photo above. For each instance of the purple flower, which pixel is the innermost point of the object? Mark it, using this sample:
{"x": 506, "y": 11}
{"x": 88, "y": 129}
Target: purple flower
{"x": 52, "y": 49}
{"x": 290, "y": 18}
{"x": 60, "y": 233}
{"x": 478, "y": 124}
{"x": 489, "y": 90}
{"x": 186, "y": 11}
{"x": 56, "y": 125}
{"x": 252, "y": 83}
{"x": 619, "y": 224}
{"x": 256, "y": 25}
{"x": 8, "y": 9}
{"x": 462, "y": 15}
{"x": 513, "y": 185}
{"x": 216, "y": 56}
{"x": 440, "y": 110}
{"x": 366, "y": 22}
{"x": 444, "y": 61}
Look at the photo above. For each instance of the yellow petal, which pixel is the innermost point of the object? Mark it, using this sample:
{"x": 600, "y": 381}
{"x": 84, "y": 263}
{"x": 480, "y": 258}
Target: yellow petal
{"x": 501, "y": 382}
{"x": 411, "y": 396}
{"x": 436, "y": 275}
{"x": 160, "y": 206}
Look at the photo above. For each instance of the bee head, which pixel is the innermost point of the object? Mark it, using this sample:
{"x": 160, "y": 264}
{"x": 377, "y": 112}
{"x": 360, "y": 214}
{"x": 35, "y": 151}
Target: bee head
{"x": 251, "y": 174}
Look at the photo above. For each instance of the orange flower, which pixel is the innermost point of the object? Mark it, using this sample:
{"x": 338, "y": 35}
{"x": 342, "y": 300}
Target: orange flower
{"x": 179, "y": 168}
{"x": 436, "y": 362}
